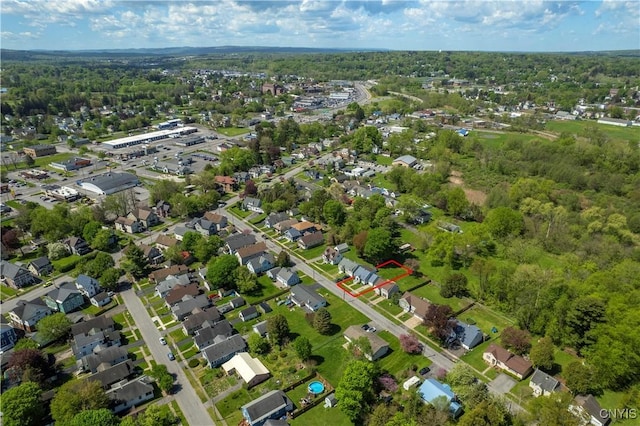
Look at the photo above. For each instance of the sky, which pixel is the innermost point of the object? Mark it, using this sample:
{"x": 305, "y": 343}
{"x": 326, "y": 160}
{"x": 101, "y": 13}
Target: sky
{"x": 479, "y": 25}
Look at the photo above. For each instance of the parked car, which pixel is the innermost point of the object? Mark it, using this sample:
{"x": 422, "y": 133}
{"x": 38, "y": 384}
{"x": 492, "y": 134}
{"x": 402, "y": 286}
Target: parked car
{"x": 424, "y": 371}
{"x": 171, "y": 356}
{"x": 365, "y": 327}
{"x": 372, "y": 329}
{"x": 163, "y": 341}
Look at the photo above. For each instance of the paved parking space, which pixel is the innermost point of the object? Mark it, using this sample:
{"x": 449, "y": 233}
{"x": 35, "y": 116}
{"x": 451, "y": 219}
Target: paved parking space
{"x": 501, "y": 384}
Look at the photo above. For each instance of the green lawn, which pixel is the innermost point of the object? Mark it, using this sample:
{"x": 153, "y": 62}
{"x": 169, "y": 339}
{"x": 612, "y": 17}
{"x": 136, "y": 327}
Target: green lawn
{"x": 485, "y": 319}
{"x": 239, "y": 212}
{"x": 474, "y": 357}
{"x": 383, "y": 160}
{"x": 320, "y": 416}
{"x": 397, "y": 361}
{"x": 67, "y": 262}
{"x": 311, "y": 253}
{"x": 578, "y": 127}
{"x": 432, "y": 293}
{"x": 267, "y": 288}
{"x": 6, "y": 291}
{"x": 232, "y": 131}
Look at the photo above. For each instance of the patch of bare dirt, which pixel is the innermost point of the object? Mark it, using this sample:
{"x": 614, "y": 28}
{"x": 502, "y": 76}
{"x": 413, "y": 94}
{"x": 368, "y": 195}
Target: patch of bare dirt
{"x": 473, "y": 195}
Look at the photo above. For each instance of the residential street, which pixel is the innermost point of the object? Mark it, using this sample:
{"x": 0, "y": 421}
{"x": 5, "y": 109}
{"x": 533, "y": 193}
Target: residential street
{"x": 193, "y": 410}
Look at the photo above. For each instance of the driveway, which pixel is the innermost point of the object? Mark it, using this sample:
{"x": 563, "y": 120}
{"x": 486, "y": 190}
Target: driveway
{"x": 501, "y": 384}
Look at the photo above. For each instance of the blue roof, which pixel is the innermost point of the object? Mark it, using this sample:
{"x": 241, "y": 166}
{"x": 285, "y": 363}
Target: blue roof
{"x": 85, "y": 280}
{"x": 432, "y": 389}
{"x": 469, "y": 335}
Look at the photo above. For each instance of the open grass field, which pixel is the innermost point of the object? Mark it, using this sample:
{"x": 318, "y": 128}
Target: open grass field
{"x": 320, "y": 416}
{"x": 267, "y": 288}
{"x": 431, "y": 292}
{"x": 485, "y": 319}
{"x": 578, "y": 128}
{"x": 311, "y": 253}
{"x": 497, "y": 139}
{"x": 232, "y": 131}
{"x": 474, "y": 357}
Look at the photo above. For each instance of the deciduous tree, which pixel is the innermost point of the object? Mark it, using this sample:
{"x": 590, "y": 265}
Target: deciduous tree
{"x": 438, "y": 320}
{"x": 164, "y": 379}
{"x": 518, "y": 341}
{"x": 28, "y": 365}
{"x": 54, "y": 327}
{"x": 22, "y": 405}
{"x": 101, "y": 417}
{"x": 246, "y": 281}
{"x": 135, "y": 261}
{"x": 454, "y": 285}
{"x": 76, "y": 396}
{"x": 541, "y": 355}
{"x": 356, "y": 389}
{"x": 410, "y": 344}
{"x": 302, "y": 346}
{"x": 379, "y": 245}
{"x": 220, "y": 271}
{"x": 258, "y": 345}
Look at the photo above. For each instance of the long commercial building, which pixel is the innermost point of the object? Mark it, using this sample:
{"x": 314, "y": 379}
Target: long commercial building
{"x": 148, "y": 137}
{"x": 109, "y": 183}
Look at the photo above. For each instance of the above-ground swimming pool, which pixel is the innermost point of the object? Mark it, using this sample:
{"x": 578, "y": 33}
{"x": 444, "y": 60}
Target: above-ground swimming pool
{"x": 316, "y": 387}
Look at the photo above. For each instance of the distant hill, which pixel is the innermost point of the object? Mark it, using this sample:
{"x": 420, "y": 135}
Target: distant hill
{"x": 168, "y": 51}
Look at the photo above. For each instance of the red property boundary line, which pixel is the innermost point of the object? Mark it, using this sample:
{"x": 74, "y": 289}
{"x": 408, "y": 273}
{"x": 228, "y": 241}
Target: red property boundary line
{"x": 407, "y": 272}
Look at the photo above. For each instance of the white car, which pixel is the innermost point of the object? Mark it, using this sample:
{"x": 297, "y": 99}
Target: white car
{"x": 164, "y": 342}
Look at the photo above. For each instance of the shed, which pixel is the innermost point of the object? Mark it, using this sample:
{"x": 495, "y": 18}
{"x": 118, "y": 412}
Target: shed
{"x": 330, "y": 400}
{"x": 411, "y": 382}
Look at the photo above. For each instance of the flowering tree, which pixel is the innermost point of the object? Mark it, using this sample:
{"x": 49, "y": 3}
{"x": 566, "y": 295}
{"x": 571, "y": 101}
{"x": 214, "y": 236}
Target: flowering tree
{"x": 410, "y": 344}
{"x": 388, "y": 383}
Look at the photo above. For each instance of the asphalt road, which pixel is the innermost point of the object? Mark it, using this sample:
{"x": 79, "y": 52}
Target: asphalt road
{"x": 193, "y": 409}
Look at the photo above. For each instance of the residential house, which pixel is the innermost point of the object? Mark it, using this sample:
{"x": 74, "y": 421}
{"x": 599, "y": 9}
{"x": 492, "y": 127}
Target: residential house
{"x": 285, "y": 225}
{"x": 216, "y": 333}
{"x": 272, "y": 405}
{"x": 235, "y": 242}
{"x": 405, "y": 161}
{"x": 273, "y": 273}
{"x": 543, "y": 384}
{"x": 163, "y": 208}
{"x": 163, "y": 242}
{"x": 101, "y": 323}
{"x": 128, "y": 225}
{"x": 414, "y": 304}
{"x": 129, "y": 395}
{"x": 305, "y": 296}
{"x": 162, "y": 274}
{"x": 102, "y": 360}
{"x": 40, "y": 266}
{"x": 260, "y": 264}
{"x": 468, "y": 335}
{"x": 113, "y": 375}
{"x": 65, "y": 298}
{"x": 342, "y": 248}
{"x": 219, "y": 353}
{"x": 236, "y": 302}
{"x": 184, "y": 308}
{"x": 308, "y": 241}
{"x": 26, "y": 314}
{"x": 94, "y": 341}
{"x": 292, "y": 235}
{"x": 331, "y": 256}
{"x": 252, "y": 204}
{"x": 366, "y": 276}
{"x": 287, "y": 277}
{"x": 248, "y": 314}
{"x": 179, "y": 231}
{"x": 77, "y": 246}
{"x": 251, "y": 370}
{"x": 101, "y": 299}
{"x": 153, "y": 254}
{"x": 88, "y": 286}
{"x": 260, "y": 328}
{"x": 387, "y": 290}
{"x": 422, "y": 217}
{"x": 227, "y": 183}
{"x": 205, "y": 227}
{"x": 245, "y": 254}
{"x": 501, "y": 358}
{"x": 178, "y": 293}
{"x": 15, "y": 276}
{"x": 306, "y": 227}
{"x": 146, "y": 216}
{"x": 347, "y": 266}
{"x": 8, "y": 336}
{"x": 200, "y": 318}
{"x": 275, "y": 218}
{"x": 589, "y": 411}
{"x": 431, "y": 390}
{"x": 379, "y": 347}
{"x": 170, "y": 282}
{"x": 220, "y": 222}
